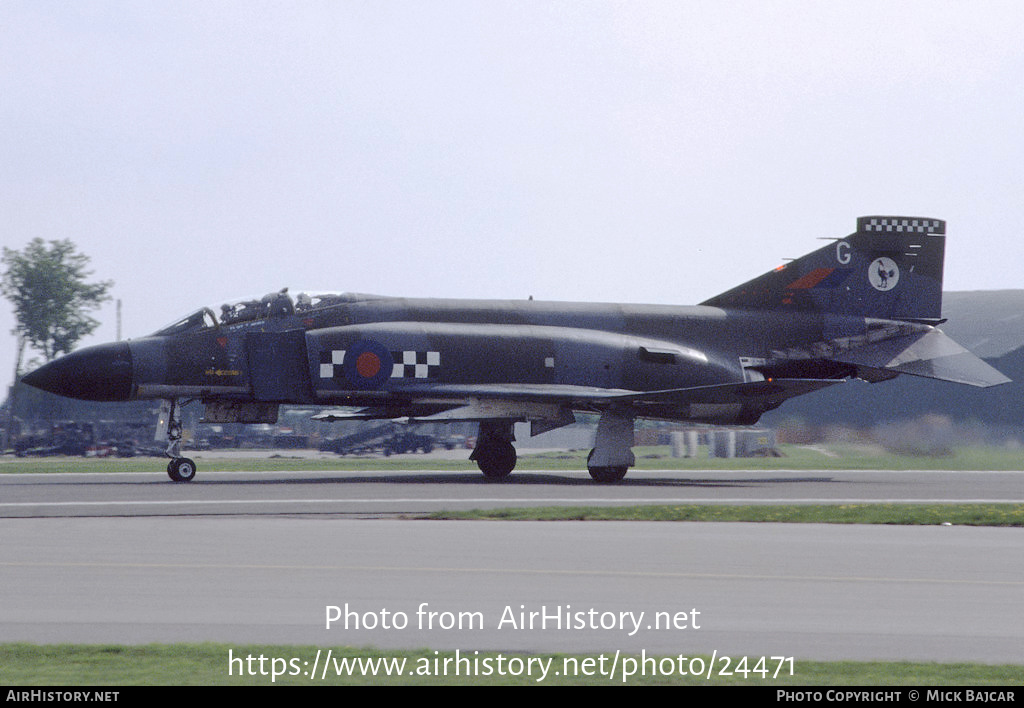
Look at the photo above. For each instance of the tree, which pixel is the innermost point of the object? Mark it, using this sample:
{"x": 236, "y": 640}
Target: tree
{"x": 47, "y": 286}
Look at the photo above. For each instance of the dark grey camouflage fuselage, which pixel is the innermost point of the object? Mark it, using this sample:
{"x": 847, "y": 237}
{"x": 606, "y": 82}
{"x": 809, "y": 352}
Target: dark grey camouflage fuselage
{"x": 864, "y": 306}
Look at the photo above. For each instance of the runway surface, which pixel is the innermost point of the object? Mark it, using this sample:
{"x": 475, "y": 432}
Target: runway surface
{"x": 805, "y": 591}
{"x": 409, "y": 492}
{"x": 239, "y": 557}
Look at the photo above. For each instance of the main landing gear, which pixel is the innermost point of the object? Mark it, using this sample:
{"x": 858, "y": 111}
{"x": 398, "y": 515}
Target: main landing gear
{"x": 606, "y": 474}
{"x": 611, "y": 457}
{"x": 179, "y": 469}
{"x": 607, "y": 463}
{"x": 494, "y": 453}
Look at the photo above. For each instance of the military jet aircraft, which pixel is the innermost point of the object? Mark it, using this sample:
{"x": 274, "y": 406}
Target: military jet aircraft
{"x": 865, "y": 306}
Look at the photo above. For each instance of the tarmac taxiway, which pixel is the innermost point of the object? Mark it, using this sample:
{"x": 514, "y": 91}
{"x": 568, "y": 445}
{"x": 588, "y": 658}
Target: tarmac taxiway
{"x": 417, "y": 491}
{"x": 243, "y": 557}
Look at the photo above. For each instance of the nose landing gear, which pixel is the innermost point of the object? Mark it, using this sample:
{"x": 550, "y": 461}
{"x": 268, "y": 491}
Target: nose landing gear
{"x": 179, "y": 469}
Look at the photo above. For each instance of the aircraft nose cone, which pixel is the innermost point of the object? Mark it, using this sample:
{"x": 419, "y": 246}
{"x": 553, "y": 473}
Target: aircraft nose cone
{"x": 100, "y": 373}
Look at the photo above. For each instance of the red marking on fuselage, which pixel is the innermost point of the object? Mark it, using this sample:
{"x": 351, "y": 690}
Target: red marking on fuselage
{"x": 811, "y": 279}
{"x": 368, "y": 365}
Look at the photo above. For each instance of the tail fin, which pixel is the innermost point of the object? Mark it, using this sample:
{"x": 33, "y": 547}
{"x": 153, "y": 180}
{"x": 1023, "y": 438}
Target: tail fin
{"x": 889, "y": 268}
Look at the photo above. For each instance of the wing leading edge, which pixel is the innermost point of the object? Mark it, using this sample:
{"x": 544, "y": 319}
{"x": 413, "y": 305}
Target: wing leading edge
{"x": 552, "y": 407}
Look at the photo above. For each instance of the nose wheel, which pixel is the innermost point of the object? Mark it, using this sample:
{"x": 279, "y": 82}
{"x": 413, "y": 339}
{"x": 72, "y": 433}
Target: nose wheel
{"x": 179, "y": 469}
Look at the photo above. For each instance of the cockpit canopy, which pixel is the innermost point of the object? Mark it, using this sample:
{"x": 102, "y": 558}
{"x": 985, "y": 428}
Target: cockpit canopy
{"x": 277, "y": 304}
{"x": 272, "y": 305}
{"x": 198, "y": 320}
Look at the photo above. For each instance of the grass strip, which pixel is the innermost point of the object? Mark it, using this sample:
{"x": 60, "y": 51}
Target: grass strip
{"x": 897, "y": 514}
{"x": 795, "y": 457}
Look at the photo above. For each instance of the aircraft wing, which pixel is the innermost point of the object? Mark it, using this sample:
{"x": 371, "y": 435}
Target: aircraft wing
{"x": 472, "y": 402}
{"x": 768, "y": 390}
{"x": 339, "y": 415}
{"x": 548, "y": 407}
{"x": 734, "y": 403}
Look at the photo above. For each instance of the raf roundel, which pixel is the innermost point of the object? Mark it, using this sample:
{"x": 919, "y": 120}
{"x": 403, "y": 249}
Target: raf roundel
{"x": 367, "y": 365}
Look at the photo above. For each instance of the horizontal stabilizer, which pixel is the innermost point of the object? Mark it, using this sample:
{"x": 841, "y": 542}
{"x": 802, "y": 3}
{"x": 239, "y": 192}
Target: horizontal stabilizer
{"x": 931, "y": 354}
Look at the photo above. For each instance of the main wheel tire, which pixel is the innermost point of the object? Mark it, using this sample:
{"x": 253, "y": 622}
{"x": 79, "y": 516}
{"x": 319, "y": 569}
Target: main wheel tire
{"x": 181, "y": 469}
{"x": 497, "y": 460}
{"x": 608, "y": 475}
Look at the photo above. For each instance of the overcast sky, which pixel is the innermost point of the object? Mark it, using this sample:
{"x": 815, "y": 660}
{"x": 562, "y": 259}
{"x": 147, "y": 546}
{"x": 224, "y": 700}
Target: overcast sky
{"x": 612, "y": 151}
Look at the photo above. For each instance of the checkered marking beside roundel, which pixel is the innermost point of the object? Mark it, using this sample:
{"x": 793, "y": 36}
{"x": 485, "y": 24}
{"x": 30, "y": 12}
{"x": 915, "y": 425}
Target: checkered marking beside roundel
{"x": 415, "y": 365}
{"x": 329, "y": 360}
{"x": 407, "y": 364}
